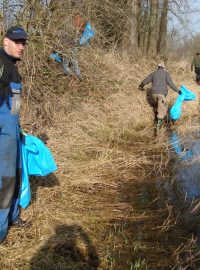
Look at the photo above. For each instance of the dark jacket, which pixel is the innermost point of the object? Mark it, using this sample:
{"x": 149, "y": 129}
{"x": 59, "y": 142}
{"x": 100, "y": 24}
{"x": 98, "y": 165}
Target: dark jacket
{"x": 160, "y": 79}
{"x": 8, "y": 73}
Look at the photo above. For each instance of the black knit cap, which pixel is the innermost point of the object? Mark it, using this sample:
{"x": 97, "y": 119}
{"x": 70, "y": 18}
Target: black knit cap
{"x": 16, "y": 32}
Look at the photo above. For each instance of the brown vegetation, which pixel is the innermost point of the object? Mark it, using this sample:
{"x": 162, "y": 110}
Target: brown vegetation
{"x": 88, "y": 215}
{"x": 101, "y": 209}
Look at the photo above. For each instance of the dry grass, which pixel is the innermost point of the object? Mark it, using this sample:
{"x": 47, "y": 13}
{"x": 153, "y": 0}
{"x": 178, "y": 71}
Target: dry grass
{"x": 93, "y": 212}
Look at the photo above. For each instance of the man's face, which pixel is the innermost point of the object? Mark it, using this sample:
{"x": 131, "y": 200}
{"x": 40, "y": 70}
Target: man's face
{"x": 14, "y": 48}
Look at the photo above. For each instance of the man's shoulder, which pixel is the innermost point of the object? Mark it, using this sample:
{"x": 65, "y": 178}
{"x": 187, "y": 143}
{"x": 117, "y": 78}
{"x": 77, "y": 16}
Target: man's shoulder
{"x": 167, "y": 74}
{"x": 152, "y": 73}
{"x": 164, "y": 71}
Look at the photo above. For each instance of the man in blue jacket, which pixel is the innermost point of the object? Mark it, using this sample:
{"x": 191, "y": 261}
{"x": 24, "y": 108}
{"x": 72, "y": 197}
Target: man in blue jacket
{"x": 14, "y": 44}
{"x": 160, "y": 80}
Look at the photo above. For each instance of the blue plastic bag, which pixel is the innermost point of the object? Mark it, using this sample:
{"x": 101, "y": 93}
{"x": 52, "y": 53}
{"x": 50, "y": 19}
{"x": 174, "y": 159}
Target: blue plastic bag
{"x": 56, "y": 57}
{"x": 40, "y": 161}
{"x": 186, "y": 95}
{"x": 87, "y": 34}
{"x": 36, "y": 160}
{"x": 25, "y": 196}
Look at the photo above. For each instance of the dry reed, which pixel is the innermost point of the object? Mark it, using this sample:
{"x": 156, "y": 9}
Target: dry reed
{"x": 90, "y": 214}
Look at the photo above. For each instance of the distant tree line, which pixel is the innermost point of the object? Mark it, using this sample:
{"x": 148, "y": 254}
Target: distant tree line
{"x": 134, "y": 26}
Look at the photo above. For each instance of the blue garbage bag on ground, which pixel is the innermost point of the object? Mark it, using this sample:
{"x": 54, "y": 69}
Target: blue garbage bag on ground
{"x": 36, "y": 160}
{"x": 186, "y": 95}
{"x": 87, "y": 34}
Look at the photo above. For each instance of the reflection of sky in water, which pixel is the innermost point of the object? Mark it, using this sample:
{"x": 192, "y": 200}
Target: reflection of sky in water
{"x": 188, "y": 170}
{"x": 182, "y": 186}
{"x": 178, "y": 148}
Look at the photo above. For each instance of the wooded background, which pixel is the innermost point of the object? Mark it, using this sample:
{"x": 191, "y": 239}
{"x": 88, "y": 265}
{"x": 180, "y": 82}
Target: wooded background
{"x": 136, "y": 27}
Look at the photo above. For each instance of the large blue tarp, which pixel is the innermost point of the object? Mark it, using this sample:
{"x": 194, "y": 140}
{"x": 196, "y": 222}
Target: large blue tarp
{"x": 36, "y": 160}
{"x": 186, "y": 95}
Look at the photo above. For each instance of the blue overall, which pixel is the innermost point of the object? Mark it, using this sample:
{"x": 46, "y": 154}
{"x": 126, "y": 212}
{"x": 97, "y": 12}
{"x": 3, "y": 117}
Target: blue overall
{"x": 10, "y": 159}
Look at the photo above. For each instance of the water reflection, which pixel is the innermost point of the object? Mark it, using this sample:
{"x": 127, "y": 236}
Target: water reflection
{"x": 187, "y": 171}
{"x": 182, "y": 152}
{"x": 175, "y": 195}
{"x": 164, "y": 221}
{"x": 186, "y": 185}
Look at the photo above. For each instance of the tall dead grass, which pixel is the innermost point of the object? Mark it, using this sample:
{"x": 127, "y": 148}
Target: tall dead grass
{"x": 100, "y": 132}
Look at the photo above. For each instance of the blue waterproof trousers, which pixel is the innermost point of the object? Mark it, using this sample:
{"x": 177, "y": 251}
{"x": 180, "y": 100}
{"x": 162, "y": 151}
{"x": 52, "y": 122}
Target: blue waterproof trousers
{"x": 10, "y": 169}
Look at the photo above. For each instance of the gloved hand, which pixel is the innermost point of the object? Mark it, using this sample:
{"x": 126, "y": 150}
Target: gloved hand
{"x": 141, "y": 87}
{"x": 22, "y": 135}
{"x": 22, "y": 131}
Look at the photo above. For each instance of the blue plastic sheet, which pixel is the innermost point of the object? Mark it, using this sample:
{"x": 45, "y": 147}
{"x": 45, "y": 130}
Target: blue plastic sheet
{"x": 87, "y": 34}
{"x": 36, "y": 160}
{"x": 185, "y": 95}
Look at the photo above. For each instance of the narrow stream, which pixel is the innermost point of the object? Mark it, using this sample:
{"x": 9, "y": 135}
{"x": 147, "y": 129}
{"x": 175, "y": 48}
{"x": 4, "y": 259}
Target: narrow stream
{"x": 163, "y": 226}
{"x": 185, "y": 189}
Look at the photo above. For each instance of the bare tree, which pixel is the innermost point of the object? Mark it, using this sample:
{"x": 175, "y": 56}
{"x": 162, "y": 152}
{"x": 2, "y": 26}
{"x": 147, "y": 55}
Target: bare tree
{"x": 143, "y": 25}
{"x": 130, "y": 34}
{"x": 162, "y": 38}
{"x": 152, "y": 37}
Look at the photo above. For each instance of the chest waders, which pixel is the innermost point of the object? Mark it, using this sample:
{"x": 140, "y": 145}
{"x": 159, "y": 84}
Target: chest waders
{"x": 10, "y": 156}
